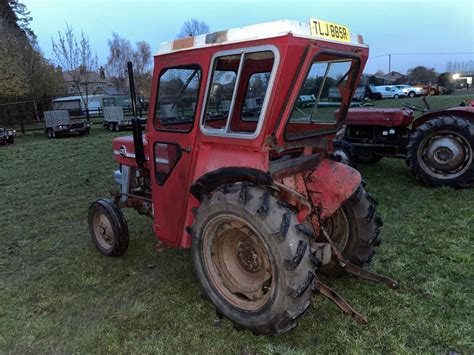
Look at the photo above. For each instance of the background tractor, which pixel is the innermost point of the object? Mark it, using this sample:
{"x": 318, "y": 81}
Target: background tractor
{"x": 437, "y": 147}
{"x": 231, "y": 168}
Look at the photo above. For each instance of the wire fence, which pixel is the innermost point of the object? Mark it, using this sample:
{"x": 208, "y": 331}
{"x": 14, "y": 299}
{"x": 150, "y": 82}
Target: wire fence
{"x": 28, "y": 115}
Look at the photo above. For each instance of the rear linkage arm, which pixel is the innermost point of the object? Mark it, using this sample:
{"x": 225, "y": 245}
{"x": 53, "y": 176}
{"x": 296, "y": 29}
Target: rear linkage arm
{"x": 349, "y": 267}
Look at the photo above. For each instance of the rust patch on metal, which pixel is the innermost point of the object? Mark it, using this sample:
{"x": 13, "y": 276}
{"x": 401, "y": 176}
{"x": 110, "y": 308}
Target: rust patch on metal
{"x": 183, "y": 43}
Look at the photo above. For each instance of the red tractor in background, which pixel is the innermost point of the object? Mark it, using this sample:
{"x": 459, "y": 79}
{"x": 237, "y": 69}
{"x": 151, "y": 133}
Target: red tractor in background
{"x": 231, "y": 168}
{"x": 438, "y": 146}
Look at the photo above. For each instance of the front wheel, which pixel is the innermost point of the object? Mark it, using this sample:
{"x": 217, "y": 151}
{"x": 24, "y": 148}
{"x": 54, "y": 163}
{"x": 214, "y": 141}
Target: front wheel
{"x": 440, "y": 152}
{"x": 411, "y": 94}
{"x": 252, "y": 262}
{"x": 108, "y": 228}
{"x": 355, "y": 230}
{"x": 367, "y": 156}
{"x": 345, "y": 152}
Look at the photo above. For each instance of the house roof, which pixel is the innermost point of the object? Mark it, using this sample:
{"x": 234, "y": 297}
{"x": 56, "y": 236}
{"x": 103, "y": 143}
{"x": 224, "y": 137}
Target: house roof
{"x": 248, "y": 33}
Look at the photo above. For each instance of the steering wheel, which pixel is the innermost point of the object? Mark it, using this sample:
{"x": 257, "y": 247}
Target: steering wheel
{"x": 414, "y": 107}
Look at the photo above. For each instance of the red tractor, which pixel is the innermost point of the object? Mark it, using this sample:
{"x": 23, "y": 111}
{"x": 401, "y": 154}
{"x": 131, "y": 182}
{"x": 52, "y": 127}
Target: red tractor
{"x": 437, "y": 147}
{"x": 231, "y": 168}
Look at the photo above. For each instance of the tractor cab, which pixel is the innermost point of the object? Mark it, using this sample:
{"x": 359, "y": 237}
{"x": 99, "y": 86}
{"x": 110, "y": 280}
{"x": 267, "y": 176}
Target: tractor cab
{"x": 234, "y": 166}
{"x": 230, "y": 99}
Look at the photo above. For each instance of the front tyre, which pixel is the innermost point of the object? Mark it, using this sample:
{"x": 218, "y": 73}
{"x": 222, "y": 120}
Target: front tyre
{"x": 440, "y": 152}
{"x": 355, "y": 230}
{"x": 108, "y": 228}
{"x": 252, "y": 262}
{"x": 345, "y": 152}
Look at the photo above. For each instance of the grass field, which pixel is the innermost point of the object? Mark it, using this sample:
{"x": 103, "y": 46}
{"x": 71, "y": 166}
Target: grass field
{"x": 59, "y": 295}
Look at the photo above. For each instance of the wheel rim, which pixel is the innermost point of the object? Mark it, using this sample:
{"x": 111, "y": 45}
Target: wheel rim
{"x": 237, "y": 262}
{"x": 337, "y": 227}
{"x": 343, "y": 156}
{"x": 103, "y": 231}
{"x": 445, "y": 155}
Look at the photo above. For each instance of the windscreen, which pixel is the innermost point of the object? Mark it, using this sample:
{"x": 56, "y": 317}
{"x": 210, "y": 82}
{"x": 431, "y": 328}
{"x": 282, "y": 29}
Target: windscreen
{"x": 319, "y": 97}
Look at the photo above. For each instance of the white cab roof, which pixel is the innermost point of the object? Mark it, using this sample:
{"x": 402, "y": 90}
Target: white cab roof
{"x": 248, "y": 33}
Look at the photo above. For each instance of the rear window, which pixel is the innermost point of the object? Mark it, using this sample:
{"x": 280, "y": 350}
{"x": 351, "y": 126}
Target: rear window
{"x": 178, "y": 91}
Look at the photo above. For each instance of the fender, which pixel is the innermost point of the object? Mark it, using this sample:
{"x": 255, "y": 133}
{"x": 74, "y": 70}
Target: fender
{"x": 329, "y": 185}
{"x": 211, "y": 180}
{"x": 465, "y": 112}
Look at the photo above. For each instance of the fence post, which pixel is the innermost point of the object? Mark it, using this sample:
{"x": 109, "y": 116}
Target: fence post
{"x": 87, "y": 114}
{"x": 22, "y": 124}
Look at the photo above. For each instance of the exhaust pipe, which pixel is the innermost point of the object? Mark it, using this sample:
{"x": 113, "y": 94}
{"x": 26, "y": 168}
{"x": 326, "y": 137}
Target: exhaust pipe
{"x": 136, "y": 124}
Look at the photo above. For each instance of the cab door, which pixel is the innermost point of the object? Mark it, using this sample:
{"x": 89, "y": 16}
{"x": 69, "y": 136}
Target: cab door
{"x": 171, "y": 140}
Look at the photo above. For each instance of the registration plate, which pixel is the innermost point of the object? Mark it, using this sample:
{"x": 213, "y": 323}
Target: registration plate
{"x": 329, "y": 30}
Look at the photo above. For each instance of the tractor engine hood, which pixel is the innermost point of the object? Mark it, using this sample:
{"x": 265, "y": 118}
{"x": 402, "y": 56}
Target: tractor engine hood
{"x": 124, "y": 151}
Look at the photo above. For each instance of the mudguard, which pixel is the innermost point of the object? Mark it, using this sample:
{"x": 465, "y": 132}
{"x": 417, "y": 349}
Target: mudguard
{"x": 329, "y": 185}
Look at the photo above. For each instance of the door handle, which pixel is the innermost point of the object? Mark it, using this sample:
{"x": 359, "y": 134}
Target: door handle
{"x": 186, "y": 150}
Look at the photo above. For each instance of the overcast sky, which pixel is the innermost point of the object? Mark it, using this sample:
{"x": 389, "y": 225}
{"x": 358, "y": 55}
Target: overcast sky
{"x": 388, "y": 26}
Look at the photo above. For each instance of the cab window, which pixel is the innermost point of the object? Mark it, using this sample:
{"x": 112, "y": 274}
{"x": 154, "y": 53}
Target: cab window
{"x": 237, "y": 91}
{"x": 178, "y": 91}
{"x": 319, "y": 98}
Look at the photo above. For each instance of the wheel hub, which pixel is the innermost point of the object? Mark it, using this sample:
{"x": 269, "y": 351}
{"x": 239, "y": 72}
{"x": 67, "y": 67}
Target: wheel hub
{"x": 445, "y": 153}
{"x": 343, "y": 156}
{"x": 248, "y": 257}
{"x": 237, "y": 262}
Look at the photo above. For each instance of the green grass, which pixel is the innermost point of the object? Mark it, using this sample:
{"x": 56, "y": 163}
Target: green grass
{"x": 59, "y": 295}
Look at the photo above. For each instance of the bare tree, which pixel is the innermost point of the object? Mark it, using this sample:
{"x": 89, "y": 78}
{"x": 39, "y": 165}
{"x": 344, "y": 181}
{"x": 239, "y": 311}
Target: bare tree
{"x": 142, "y": 59}
{"x": 120, "y": 52}
{"x": 75, "y": 56}
{"x": 192, "y": 28}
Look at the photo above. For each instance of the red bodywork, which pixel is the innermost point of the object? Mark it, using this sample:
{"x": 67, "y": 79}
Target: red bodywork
{"x": 401, "y": 117}
{"x": 388, "y": 117}
{"x": 328, "y": 184}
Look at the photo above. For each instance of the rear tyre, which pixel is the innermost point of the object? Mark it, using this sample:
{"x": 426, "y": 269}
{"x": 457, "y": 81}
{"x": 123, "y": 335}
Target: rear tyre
{"x": 110, "y": 126}
{"x": 252, "y": 262}
{"x": 345, "y": 152}
{"x": 396, "y": 96}
{"x": 355, "y": 229}
{"x": 440, "y": 152}
{"x": 367, "y": 156}
{"x": 108, "y": 228}
{"x": 117, "y": 127}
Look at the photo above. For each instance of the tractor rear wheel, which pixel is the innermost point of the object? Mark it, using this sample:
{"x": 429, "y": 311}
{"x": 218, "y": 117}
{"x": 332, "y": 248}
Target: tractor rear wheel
{"x": 108, "y": 227}
{"x": 440, "y": 152}
{"x": 345, "y": 152}
{"x": 252, "y": 262}
{"x": 355, "y": 229}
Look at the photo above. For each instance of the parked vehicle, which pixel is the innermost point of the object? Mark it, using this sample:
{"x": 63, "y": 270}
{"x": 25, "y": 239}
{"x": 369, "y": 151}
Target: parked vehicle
{"x": 257, "y": 199}
{"x": 437, "y": 147}
{"x": 306, "y": 101}
{"x": 59, "y": 123}
{"x": 431, "y": 89}
{"x": 390, "y": 92}
{"x": 411, "y": 91}
{"x": 114, "y": 119}
{"x": 7, "y": 135}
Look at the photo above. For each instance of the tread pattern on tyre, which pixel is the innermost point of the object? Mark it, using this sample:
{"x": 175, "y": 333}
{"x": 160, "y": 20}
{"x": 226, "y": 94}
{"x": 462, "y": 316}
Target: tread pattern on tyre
{"x": 457, "y": 124}
{"x": 259, "y": 207}
{"x": 365, "y": 225}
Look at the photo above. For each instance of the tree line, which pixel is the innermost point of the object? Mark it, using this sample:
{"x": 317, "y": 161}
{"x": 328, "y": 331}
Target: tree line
{"x": 26, "y": 75}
